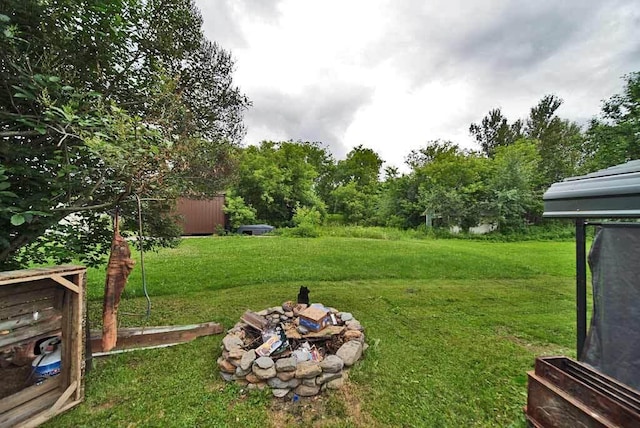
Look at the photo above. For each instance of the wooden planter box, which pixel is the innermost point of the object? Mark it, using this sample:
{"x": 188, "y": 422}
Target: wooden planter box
{"x": 35, "y": 304}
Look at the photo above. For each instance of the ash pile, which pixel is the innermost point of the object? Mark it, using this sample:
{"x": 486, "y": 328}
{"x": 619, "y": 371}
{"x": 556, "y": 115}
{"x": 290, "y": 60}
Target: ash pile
{"x": 294, "y": 349}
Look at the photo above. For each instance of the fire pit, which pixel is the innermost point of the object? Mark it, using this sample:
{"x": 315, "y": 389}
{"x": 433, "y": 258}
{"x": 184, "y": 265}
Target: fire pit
{"x": 292, "y": 349}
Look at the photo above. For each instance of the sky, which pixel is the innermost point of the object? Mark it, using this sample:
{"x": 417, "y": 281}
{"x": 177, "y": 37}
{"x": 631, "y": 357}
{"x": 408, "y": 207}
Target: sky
{"x": 394, "y": 75}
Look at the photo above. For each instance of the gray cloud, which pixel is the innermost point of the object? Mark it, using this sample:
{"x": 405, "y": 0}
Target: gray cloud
{"x": 318, "y": 114}
{"x": 509, "y": 53}
{"x": 221, "y": 18}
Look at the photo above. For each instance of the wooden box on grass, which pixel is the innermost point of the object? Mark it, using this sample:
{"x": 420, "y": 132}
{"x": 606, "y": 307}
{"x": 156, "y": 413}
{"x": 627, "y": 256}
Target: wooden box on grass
{"x": 36, "y": 304}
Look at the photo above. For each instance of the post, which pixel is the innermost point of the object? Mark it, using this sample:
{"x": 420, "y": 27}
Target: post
{"x": 581, "y": 285}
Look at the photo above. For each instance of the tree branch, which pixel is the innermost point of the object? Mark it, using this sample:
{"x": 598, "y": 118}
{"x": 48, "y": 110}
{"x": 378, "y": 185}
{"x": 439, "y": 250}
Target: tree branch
{"x": 5, "y": 134}
{"x": 84, "y": 208}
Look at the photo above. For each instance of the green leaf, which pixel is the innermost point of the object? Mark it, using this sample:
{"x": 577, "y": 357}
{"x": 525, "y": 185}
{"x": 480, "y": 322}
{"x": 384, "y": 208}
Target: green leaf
{"x": 8, "y": 194}
{"x": 54, "y": 79}
{"x": 17, "y": 219}
{"x": 4, "y": 18}
{"x": 4, "y": 185}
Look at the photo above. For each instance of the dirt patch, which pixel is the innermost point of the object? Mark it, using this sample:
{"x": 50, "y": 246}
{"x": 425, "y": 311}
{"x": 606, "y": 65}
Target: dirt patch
{"x": 536, "y": 348}
{"x": 14, "y": 379}
{"x": 336, "y": 409}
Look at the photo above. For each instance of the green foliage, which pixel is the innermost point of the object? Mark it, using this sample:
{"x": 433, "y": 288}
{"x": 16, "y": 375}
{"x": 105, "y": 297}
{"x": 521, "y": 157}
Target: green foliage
{"x": 274, "y": 178}
{"x": 306, "y": 221}
{"x": 237, "y": 211}
{"x": 513, "y": 200}
{"x": 615, "y": 137}
{"x": 101, "y": 101}
{"x": 494, "y": 131}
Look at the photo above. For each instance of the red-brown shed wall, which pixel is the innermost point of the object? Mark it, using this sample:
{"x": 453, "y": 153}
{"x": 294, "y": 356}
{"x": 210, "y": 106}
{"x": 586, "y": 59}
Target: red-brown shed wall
{"x": 201, "y": 216}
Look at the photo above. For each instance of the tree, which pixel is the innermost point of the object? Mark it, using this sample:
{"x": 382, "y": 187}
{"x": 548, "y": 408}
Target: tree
{"x": 494, "y": 131}
{"x": 614, "y": 138}
{"x": 512, "y": 198}
{"x": 275, "y": 178}
{"x": 558, "y": 141}
{"x": 101, "y": 101}
{"x": 356, "y": 186}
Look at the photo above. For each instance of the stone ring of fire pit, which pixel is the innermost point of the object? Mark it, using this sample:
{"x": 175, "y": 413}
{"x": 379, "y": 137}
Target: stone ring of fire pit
{"x": 278, "y": 348}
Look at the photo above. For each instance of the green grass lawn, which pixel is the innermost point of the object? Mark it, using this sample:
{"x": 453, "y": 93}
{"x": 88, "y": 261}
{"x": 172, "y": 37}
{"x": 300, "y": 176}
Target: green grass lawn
{"x": 453, "y": 327}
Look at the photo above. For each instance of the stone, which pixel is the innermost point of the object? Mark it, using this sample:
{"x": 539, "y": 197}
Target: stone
{"x": 286, "y": 376}
{"x": 286, "y": 364}
{"x": 264, "y": 373}
{"x": 331, "y": 364}
{"x": 234, "y": 361}
{"x": 263, "y": 313}
{"x": 237, "y": 353}
{"x": 231, "y": 341}
{"x": 335, "y": 383}
{"x": 240, "y": 372}
{"x": 288, "y": 306}
{"x": 309, "y": 381}
{"x": 302, "y": 330}
{"x": 326, "y": 377}
{"x": 228, "y": 377}
{"x": 276, "y": 310}
{"x": 242, "y": 382}
{"x": 307, "y": 391}
{"x": 264, "y": 362}
{"x": 345, "y": 316}
{"x": 353, "y": 335}
{"x": 354, "y": 325}
{"x": 283, "y": 318}
{"x": 274, "y": 382}
{"x": 307, "y": 369}
{"x": 250, "y": 377}
{"x": 350, "y": 352}
{"x": 260, "y": 386}
{"x": 280, "y": 392}
{"x": 288, "y": 314}
{"x": 226, "y": 366}
{"x": 247, "y": 359}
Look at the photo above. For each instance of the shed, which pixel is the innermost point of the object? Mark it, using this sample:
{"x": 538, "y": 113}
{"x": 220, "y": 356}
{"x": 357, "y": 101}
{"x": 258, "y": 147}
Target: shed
{"x": 201, "y": 216}
{"x": 601, "y": 388}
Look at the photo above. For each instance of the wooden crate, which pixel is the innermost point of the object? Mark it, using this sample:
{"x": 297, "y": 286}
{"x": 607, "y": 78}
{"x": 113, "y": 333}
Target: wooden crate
{"x": 57, "y": 295}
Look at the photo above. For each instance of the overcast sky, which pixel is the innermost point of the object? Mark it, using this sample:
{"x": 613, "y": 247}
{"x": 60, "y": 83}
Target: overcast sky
{"x": 392, "y": 75}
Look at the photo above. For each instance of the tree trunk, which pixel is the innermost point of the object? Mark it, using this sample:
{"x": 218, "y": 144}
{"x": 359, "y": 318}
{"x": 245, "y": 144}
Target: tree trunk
{"x": 118, "y": 270}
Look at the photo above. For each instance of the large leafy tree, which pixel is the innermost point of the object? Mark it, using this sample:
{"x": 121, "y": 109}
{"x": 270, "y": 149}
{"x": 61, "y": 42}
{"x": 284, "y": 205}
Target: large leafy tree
{"x": 275, "y": 178}
{"x": 614, "y": 137}
{"x": 100, "y": 101}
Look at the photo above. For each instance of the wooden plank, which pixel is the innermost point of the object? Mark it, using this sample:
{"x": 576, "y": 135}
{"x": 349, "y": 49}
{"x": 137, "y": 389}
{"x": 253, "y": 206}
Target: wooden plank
{"x": 48, "y": 414}
{"x": 29, "y": 393}
{"x": 66, "y": 283}
{"x": 42, "y": 327}
{"x": 28, "y": 409}
{"x": 64, "y": 397}
{"x": 25, "y": 275}
{"x": 27, "y": 308}
{"x": 31, "y": 296}
{"x": 129, "y": 338}
{"x": 254, "y": 320}
{"x": 25, "y": 320}
{"x": 11, "y": 289}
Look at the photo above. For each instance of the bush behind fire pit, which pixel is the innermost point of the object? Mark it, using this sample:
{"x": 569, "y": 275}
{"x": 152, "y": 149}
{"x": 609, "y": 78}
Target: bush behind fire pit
{"x": 331, "y": 351}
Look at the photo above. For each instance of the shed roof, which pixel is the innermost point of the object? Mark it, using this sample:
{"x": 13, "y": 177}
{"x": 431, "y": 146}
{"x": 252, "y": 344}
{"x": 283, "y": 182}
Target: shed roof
{"x": 608, "y": 193}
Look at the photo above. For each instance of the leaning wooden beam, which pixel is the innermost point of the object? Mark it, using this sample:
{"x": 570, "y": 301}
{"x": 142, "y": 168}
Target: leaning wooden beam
{"x": 153, "y": 337}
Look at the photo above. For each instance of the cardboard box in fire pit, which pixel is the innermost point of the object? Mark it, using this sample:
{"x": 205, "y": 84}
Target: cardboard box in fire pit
{"x": 314, "y": 319}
